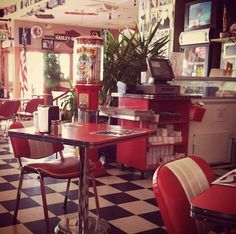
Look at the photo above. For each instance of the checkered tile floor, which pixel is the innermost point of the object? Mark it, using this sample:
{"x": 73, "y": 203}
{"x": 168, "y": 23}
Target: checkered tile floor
{"x": 127, "y": 201}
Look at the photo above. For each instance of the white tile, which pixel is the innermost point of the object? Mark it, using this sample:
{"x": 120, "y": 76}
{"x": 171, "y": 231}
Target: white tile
{"x": 141, "y": 194}
{"x": 32, "y": 214}
{"x": 147, "y": 183}
{"x": 110, "y": 180}
{"x": 139, "y": 207}
{"x": 15, "y": 229}
{"x": 133, "y": 224}
{"x": 106, "y": 189}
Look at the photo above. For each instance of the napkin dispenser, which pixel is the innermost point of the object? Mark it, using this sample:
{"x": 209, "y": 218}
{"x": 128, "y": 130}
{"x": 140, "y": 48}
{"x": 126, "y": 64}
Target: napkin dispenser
{"x": 45, "y": 115}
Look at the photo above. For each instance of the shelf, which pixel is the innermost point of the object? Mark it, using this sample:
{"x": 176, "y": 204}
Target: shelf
{"x": 163, "y": 144}
{"x": 224, "y": 39}
{"x": 202, "y": 78}
{"x": 171, "y": 122}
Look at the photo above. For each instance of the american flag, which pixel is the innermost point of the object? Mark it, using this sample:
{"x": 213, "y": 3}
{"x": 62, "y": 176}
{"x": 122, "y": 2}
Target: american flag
{"x": 23, "y": 67}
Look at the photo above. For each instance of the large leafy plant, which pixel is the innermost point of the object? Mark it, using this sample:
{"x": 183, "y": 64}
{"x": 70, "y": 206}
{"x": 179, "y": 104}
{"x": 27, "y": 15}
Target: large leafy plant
{"x": 69, "y": 105}
{"x": 52, "y": 69}
{"x": 125, "y": 58}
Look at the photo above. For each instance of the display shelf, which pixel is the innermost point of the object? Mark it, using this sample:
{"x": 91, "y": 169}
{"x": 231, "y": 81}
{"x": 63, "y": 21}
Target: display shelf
{"x": 144, "y": 155}
{"x": 224, "y": 39}
{"x": 171, "y": 122}
{"x": 167, "y": 144}
{"x": 207, "y": 87}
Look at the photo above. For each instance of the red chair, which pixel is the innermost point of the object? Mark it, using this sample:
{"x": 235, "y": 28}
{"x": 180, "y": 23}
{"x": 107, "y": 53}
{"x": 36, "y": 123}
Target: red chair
{"x": 31, "y": 106}
{"x": 175, "y": 183}
{"x": 8, "y": 110}
{"x": 63, "y": 168}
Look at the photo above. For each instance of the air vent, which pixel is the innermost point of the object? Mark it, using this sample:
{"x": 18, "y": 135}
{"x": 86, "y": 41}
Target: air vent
{"x": 44, "y": 16}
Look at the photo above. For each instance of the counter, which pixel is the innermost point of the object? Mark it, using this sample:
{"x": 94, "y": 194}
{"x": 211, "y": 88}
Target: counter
{"x": 212, "y": 138}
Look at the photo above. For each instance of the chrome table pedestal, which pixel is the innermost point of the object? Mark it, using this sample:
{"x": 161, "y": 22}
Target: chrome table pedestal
{"x": 94, "y": 225}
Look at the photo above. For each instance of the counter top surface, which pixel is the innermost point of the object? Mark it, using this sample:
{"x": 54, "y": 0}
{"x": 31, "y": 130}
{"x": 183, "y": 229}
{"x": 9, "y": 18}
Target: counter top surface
{"x": 149, "y": 96}
{"x": 169, "y": 97}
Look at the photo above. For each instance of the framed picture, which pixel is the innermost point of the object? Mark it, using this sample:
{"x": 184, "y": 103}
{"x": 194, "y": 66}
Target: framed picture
{"x": 95, "y": 33}
{"x": 47, "y": 44}
{"x": 229, "y": 50}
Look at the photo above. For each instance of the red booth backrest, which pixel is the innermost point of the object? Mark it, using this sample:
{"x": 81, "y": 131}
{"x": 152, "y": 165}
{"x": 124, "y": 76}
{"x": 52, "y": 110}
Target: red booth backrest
{"x": 175, "y": 183}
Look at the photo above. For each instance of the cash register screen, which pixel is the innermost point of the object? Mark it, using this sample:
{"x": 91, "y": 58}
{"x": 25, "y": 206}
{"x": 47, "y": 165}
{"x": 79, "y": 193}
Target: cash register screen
{"x": 160, "y": 69}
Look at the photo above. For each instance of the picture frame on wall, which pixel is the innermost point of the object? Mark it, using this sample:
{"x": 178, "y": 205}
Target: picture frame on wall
{"x": 95, "y": 33}
{"x": 47, "y": 44}
{"x": 229, "y": 50}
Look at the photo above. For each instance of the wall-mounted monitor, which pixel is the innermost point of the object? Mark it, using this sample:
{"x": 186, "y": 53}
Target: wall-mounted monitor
{"x": 160, "y": 69}
{"x": 198, "y": 15}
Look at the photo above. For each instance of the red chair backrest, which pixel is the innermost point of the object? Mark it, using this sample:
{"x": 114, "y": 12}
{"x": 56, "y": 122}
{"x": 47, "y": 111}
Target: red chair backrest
{"x": 23, "y": 147}
{"x": 175, "y": 183}
{"x": 9, "y": 108}
{"x": 33, "y": 104}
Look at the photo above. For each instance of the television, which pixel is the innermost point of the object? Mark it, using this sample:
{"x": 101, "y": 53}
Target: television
{"x": 198, "y": 15}
{"x": 160, "y": 69}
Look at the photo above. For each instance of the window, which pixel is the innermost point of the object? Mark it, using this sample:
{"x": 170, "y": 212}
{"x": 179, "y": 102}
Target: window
{"x": 35, "y": 67}
{"x": 34, "y": 73}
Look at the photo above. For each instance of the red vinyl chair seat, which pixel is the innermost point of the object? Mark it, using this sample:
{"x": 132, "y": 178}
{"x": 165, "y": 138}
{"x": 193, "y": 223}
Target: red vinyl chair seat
{"x": 59, "y": 169}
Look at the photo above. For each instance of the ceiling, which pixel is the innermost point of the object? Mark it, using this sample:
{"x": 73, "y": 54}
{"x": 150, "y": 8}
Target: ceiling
{"x": 112, "y": 14}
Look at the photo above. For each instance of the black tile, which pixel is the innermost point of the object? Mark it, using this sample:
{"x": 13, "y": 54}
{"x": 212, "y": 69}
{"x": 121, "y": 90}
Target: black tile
{"x": 126, "y": 186}
{"x": 151, "y": 201}
{"x": 39, "y": 226}
{"x": 154, "y": 231}
{"x": 58, "y": 209}
{"x": 130, "y": 177}
{"x": 4, "y": 152}
{"x": 49, "y": 180}
{"x": 118, "y": 198}
{"x": 11, "y": 178}
{"x": 115, "y": 230}
{"x": 154, "y": 217}
{"x": 6, "y": 186}
{"x": 98, "y": 183}
{"x": 72, "y": 194}
{"x": 114, "y": 212}
{"x": 24, "y": 203}
{"x": 6, "y": 219}
{"x": 10, "y": 160}
{"x": 34, "y": 191}
{"x": 5, "y": 166}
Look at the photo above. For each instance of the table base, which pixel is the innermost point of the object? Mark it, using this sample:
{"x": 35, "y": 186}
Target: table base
{"x": 70, "y": 226}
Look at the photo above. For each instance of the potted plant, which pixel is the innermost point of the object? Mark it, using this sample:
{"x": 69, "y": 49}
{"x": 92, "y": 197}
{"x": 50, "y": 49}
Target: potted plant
{"x": 69, "y": 105}
{"x": 125, "y": 58}
{"x": 52, "y": 74}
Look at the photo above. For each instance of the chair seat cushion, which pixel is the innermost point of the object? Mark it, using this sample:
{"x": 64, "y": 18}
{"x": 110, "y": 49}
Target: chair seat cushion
{"x": 5, "y": 117}
{"x": 61, "y": 169}
{"x": 24, "y": 114}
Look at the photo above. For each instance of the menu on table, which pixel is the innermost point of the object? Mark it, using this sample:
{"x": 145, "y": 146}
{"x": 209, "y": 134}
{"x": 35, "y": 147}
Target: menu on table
{"x": 228, "y": 179}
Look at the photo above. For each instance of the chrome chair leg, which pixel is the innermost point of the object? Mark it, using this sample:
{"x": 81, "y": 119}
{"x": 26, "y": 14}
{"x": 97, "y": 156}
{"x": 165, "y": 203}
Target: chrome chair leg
{"x": 45, "y": 207}
{"x": 95, "y": 195}
{"x": 18, "y": 195}
{"x": 67, "y": 191}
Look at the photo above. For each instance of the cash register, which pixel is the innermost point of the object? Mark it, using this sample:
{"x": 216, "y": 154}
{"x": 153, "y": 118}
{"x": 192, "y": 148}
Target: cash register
{"x": 159, "y": 73}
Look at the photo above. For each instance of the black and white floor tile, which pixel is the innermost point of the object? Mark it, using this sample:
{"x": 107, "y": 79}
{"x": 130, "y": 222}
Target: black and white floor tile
{"x": 126, "y": 200}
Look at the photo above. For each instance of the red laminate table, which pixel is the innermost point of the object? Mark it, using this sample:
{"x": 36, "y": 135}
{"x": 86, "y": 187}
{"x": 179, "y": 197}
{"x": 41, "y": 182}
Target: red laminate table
{"x": 217, "y": 204}
{"x": 84, "y": 136}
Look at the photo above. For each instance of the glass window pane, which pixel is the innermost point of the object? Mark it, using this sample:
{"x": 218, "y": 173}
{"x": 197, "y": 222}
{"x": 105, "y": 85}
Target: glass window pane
{"x": 64, "y": 60}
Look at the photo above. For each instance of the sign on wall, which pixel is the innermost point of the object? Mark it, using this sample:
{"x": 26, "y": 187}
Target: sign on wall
{"x": 27, "y": 31}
